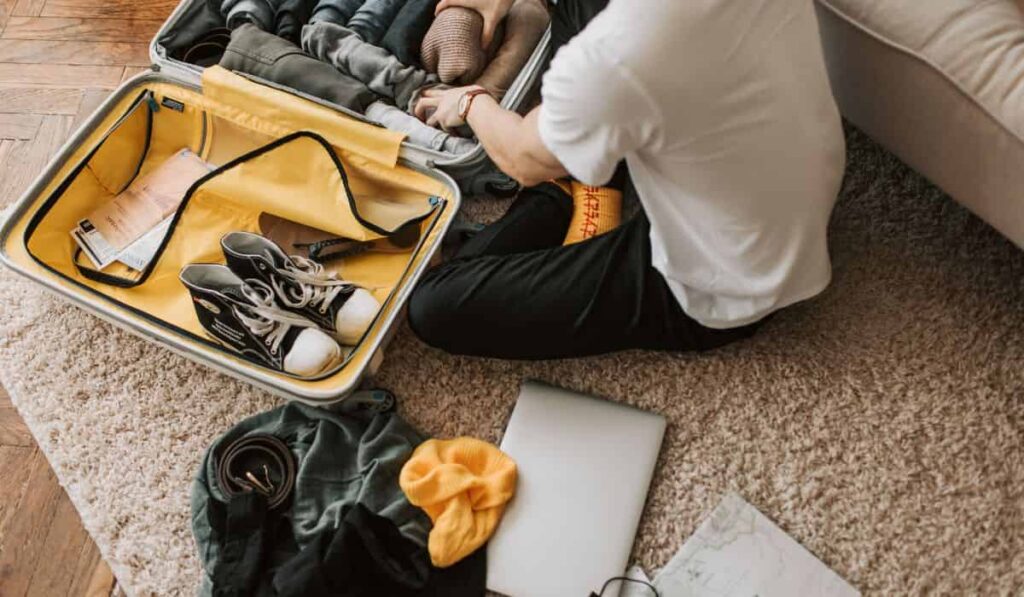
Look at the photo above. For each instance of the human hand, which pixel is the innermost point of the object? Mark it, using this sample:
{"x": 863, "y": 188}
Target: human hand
{"x": 493, "y": 12}
{"x": 440, "y": 107}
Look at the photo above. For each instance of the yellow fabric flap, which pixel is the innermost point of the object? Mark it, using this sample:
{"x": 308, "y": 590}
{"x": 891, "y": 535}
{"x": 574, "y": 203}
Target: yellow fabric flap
{"x": 284, "y": 111}
{"x": 299, "y": 179}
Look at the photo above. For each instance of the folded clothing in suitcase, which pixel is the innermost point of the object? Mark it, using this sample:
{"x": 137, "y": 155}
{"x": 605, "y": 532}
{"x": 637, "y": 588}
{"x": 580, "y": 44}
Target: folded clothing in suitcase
{"x": 273, "y": 154}
{"x": 194, "y": 37}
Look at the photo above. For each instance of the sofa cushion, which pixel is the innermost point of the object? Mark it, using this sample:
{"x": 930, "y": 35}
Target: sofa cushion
{"x": 941, "y": 84}
{"x": 979, "y": 44}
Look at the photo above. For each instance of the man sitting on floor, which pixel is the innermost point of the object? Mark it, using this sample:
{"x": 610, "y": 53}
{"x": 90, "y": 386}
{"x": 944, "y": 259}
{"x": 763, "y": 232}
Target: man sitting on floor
{"x": 722, "y": 113}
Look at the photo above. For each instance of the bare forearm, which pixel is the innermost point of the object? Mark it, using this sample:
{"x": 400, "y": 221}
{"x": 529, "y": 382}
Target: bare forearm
{"x": 513, "y": 142}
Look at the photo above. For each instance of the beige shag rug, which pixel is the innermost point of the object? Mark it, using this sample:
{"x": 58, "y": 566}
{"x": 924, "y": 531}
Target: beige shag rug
{"x": 881, "y": 424}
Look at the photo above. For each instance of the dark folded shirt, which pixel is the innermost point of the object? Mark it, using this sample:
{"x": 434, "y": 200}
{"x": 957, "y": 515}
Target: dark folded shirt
{"x": 368, "y": 556}
{"x": 406, "y": 33}
{"x": 373, "y": 18}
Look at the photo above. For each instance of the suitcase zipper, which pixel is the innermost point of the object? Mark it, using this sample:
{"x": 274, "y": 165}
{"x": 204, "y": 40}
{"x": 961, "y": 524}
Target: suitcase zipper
{"x": 202, "y": 136}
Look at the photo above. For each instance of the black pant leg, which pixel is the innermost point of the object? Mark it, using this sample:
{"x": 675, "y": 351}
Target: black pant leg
{"x": 601, "y": 295}
{"x": 538, "y": 219}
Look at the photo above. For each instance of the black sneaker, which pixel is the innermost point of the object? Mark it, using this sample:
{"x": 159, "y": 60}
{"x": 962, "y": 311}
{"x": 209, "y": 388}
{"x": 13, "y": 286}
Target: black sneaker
{"x": 302, "y": 286}
{"x": 244, "y": 316}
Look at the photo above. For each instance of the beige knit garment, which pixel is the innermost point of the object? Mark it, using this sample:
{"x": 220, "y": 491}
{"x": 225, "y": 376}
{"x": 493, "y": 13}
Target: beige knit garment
{"x": 451, "y": 48}
{"x": 525, "y": 24}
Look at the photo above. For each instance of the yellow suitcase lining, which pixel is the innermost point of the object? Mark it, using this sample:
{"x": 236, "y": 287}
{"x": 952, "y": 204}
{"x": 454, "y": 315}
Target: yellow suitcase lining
{"x": 278, "y": 154}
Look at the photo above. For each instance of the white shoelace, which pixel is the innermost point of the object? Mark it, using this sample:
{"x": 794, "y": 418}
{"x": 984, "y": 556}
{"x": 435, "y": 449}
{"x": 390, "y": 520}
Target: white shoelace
{"x": 310, "y": 284}
{"x": 263, "y": 318}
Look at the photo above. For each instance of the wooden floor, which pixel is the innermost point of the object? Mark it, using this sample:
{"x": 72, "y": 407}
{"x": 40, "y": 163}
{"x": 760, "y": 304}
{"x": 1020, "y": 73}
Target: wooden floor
{"x": 58, "y": 60}
{"x": 43, "y": 548}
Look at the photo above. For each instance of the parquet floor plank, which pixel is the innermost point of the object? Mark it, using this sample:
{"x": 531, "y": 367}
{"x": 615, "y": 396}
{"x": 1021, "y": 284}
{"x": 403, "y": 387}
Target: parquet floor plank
{"x": 39, "y": 100}
{"x": 140, "y": 9}
{"x": 28, "y": 8}
{"x": 13, "y": 432}
{"x": 15, "y": 466}
{"x": 81, "y": 29}
{"x": 60, "y": 75}
{"x": 26, "y": 529}
{"x": 63, "y": 545}
{"x": 92, "y": 575}
{"x": 27, "y": 158}
{"x": 18, "y": 126}
{"x": 91, "y": 99}
{"x": 96, "y": 53}
{"x": 131, "y": 71}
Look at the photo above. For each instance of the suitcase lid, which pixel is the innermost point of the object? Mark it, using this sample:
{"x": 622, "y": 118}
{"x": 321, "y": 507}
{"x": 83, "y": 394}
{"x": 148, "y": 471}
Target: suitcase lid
{"x": 191, "y": 74}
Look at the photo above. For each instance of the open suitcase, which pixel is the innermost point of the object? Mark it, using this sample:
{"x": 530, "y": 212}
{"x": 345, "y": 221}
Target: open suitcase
{"x": 275, "y": 152}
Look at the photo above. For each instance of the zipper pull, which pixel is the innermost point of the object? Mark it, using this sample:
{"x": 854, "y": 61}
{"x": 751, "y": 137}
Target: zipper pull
{"x": 151, "y": 100}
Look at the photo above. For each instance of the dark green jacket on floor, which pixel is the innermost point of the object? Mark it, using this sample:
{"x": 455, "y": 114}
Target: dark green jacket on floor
{"x": 341, "y": 461}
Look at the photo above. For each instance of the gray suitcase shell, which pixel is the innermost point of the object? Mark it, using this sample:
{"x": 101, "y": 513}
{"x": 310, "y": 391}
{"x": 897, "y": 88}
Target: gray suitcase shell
{"x": 474, "y": 171}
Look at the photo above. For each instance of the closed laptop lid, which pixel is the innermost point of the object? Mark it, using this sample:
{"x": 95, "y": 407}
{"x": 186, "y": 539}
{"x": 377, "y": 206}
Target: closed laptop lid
{"x": 585, "y": 465}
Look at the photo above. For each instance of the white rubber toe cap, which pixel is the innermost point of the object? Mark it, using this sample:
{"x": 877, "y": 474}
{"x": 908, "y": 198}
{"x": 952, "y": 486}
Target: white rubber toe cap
{"x": 313, "y": 352}
{"x": 355, "y": 316}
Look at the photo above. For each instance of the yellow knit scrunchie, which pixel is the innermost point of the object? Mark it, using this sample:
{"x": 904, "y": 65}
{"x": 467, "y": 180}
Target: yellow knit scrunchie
{"x": 463, "y": 485}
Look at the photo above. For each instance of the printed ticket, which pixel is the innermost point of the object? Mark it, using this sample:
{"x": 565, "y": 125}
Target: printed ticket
{"x": 131, "y": 226}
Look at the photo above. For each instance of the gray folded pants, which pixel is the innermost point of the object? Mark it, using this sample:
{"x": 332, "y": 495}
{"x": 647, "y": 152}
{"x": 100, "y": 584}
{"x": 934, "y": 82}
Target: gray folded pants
{"x": 370, "y": 19}
{"x": 373, "y": 66}
{"x": 417, "y": 132}
{"x": 269, "y": 57}
{"x": 273, "y": 59}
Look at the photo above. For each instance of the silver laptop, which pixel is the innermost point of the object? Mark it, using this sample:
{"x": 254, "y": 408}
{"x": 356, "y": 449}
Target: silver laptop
{"x": 585, "y": 466}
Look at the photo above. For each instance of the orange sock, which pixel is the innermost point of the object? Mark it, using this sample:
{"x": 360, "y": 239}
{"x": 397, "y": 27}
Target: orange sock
{"x": 596, "y": 210}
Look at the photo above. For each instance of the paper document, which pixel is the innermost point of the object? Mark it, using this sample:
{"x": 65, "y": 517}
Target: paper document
{"x": 738, "y": 552}
{"x": 130, "y": 227}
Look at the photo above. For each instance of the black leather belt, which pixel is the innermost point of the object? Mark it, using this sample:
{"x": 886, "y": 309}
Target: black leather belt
{"x": 261, "y": 463}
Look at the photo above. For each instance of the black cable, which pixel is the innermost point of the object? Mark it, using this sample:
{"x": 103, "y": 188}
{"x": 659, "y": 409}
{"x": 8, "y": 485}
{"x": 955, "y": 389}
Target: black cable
{"x": 626, "y": 579}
